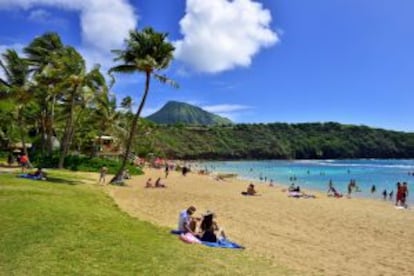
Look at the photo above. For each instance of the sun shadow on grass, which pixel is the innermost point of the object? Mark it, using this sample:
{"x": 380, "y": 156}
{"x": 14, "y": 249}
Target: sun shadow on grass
{"x": 57, "y": 180}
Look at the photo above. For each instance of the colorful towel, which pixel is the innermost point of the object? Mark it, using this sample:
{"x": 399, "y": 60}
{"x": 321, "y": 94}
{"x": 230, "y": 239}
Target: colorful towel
{"x": 223, "y": 243}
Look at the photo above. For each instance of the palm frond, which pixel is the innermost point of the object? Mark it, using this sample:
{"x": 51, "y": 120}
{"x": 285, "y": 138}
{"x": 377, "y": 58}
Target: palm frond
{"x": 165, "y": 79}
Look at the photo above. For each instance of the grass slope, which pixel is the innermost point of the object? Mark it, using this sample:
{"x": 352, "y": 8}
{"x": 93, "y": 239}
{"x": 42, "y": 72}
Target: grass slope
{"x": 63, "y": 227}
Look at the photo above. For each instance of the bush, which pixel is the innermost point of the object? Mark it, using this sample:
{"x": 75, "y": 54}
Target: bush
{"x": 85, "y": 164}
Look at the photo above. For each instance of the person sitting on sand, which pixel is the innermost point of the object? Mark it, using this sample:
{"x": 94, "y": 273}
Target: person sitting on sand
{"x": 209, "y": 228}
{"x": 332, "y": 191}
{"x": 250, "y": 190}
{"x": 293, "y": 188}
{"x": 158, "y": 183}
{"x": 148, "y": 184}
{"x": 187, "y": 223}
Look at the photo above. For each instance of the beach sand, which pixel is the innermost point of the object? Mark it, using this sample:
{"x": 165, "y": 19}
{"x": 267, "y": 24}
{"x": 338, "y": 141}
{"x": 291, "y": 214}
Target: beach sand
{"x": 322, "y": 236}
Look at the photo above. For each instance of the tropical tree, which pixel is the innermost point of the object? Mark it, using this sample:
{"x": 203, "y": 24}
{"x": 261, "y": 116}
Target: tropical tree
{"x": 44, "y": 55}
{"x": 146, "y": 52}
{"x": 16, "y": 86}
{"x": 79, "y": 88}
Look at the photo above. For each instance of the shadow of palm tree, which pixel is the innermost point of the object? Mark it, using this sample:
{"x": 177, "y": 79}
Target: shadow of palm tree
{"x": 57, "y": 180}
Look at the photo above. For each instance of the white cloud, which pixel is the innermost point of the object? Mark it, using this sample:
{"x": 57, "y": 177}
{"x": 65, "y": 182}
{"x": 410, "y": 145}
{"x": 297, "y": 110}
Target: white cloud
{"x": 39, "y": 15}
{"x": 220, "y": 35}
{"x": 226, "y": 108}
{"x": 104, "y": 23}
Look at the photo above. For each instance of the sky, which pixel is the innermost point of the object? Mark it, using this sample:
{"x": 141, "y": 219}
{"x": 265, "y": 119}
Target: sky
{"x": 293, "y": 61}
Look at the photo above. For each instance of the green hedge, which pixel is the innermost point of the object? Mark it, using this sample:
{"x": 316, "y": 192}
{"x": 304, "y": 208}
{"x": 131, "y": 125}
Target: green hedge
{"x": 83, "y": 163}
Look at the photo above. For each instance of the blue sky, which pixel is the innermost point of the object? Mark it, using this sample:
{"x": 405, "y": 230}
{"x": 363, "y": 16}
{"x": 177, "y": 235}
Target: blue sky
{"x": 349, "y": 61}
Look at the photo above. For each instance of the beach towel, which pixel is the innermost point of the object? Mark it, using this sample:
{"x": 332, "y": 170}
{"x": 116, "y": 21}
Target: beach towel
{"x": 222, "y": 243}
{"x": 30, "y": 176}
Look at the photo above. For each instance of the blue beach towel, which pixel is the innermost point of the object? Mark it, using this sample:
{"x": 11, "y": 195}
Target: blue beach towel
{"x": 29, "y": 176}
{"x": 223, "y": 243}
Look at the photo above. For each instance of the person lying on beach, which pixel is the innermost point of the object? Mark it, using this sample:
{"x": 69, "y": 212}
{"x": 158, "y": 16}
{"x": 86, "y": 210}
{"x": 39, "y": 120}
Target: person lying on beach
{"x": 158, "y": 183}
{"x": 209, "y": 229}
{"x": 149, "y": 183}
{"x": 250, "y": 190}
{"x": 187, "y": 223}
{"x": 39, "y": 174}
{"x": 300, "y": 195}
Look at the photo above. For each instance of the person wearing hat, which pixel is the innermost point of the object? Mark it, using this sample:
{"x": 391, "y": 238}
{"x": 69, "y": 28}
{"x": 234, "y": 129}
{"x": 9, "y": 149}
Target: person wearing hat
{"x": 186, "y": 223}
{"x": 209, "y": 228}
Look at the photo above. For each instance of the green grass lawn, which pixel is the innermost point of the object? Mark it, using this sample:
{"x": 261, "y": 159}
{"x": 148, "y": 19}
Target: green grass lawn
{"x": 63, "y": 227}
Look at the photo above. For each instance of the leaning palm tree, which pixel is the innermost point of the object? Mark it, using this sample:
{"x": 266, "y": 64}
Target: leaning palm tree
{"x": 44, "y": 55}
{"x": 146, "y": 52}
{"x": 79, "y": 89}
{"x": 16, "y": 86}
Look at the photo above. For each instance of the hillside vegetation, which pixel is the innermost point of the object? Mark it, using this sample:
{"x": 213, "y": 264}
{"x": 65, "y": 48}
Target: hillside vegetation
{"x": 275, "y": 141}
{"x": 177, "y": 112}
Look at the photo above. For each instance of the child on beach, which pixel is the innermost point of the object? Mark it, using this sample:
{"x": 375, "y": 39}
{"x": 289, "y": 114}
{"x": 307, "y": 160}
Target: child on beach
{"x": 148, "y": 184}
{"x": 102, "y": 174}
{"x": 250, "y": 190}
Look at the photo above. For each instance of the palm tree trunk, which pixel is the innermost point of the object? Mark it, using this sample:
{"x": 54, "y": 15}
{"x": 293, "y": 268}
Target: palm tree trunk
{"x": 118, "y": 175}
{"x": 22, "y": 137}
{"x": 51, "y": 118}
{"x": 67, "y": 134}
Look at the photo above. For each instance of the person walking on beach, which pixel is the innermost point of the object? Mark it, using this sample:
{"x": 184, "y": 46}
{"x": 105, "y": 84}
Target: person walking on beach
{"x": 102, "y": 174}
{"x": 167, "y": 170}
{"x": 404, "y": 194}
{"x": 373, "y": 189}
{"x": 24, "y": 162}
{"x": 351, "y": 186}
{"x": 384, "y": 194}
{"x": 391, "y": 194}
{"x": 399, "y": 195}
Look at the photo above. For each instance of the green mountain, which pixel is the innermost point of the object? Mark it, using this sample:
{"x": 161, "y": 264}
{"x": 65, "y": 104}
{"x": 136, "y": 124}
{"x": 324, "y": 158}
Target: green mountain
{"x": 177, "y": 112}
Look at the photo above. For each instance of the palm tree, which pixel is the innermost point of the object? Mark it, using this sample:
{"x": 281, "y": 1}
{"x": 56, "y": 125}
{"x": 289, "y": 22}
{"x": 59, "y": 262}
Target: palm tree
{"x": 16, "y": 86}
{"x": 45, "y": 57}
{"x": 79, "y": 88}
{"x": 146, "y": 52}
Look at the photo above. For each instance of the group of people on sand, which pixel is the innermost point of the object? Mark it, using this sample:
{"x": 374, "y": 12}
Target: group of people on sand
{"x": 204, "y": 228}
{"x": 157, "y": 183}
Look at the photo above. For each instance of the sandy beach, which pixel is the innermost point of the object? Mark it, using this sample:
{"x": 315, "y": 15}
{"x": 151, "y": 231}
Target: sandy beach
{"x": 322, "y": 236}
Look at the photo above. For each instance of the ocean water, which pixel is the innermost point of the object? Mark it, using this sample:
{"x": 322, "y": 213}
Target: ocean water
{"x": 316, "y": 174}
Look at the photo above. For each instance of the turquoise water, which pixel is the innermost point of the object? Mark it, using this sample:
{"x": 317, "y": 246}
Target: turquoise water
{"x": 315, "y": 174}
